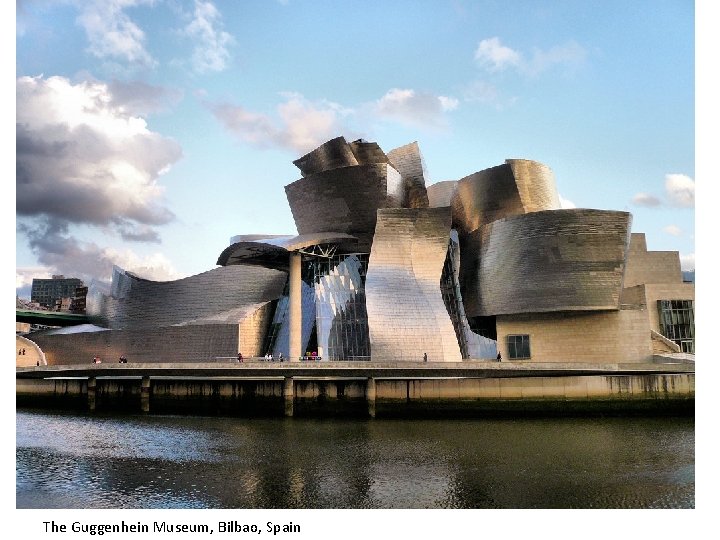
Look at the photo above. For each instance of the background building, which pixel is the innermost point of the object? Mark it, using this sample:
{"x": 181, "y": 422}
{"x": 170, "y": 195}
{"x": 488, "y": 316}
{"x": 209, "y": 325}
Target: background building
{"x": 47, "y": 292}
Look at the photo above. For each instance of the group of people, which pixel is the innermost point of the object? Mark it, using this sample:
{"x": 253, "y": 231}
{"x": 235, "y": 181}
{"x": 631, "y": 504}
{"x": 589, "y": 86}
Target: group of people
{"x": 123, "y": 360}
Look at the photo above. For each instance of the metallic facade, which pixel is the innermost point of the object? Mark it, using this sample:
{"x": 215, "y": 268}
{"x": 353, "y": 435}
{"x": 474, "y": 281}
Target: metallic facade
{"x": 345, "y": 200}
{"x": 441, "y": 193}
{"x": 562, "y": 260}
{"x": 406, "y": 313}
{"x": 410, "y": 164}
{"x": 223, "y": 295}
{"x": 385, "y": 267}
{"x": 516, "y": 187}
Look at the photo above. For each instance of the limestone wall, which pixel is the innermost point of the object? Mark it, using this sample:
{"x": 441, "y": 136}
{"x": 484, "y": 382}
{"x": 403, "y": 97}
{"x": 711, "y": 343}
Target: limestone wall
{"x": 622, "y": 335}
{"x": 650, "y": 266}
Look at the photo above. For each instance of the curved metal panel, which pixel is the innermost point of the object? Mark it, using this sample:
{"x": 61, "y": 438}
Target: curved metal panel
{"x": 441, "y": 193}
{"x": 517, "y": 187}
{"x": 331, "y": 155}
{"x": 223, "y": 295}
{"x": 344, "y": 200}
{"x": 560, "y": 260}
{"x": 367, "y": 152}
{"x": 410, "y": 164}
{"x": 407, "y": 317}
{"x": 536, "y": 185}
{"x": 273, "y": 251}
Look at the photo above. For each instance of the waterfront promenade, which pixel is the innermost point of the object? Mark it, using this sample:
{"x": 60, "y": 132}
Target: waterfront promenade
{"x": 368, "y": 388}
{"x": 257, "y": 368}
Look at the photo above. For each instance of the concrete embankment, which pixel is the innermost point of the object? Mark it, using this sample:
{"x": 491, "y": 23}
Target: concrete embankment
{"x": 362, "y": 389}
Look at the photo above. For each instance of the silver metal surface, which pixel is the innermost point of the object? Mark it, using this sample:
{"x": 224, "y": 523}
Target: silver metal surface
{"x": 406, "y": 314}
{"x": 561, "y": 260}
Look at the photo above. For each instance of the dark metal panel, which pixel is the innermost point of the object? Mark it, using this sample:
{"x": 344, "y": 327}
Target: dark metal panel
{"x": 410, "y": 164}
{"x": 331, "y": 155}
{"x": 344, "y": 200}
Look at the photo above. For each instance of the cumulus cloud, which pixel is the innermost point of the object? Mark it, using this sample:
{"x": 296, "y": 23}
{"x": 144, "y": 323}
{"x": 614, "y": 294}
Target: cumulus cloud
{"x": 646, "y": 199}
{"x": 61, "y": 253}
{"x": 111, "y": 33}
{"x": 82, "y": 159}
{"x": 494, "y": 57}
{"x": 211, "y": 42}
{"x": 673, "y": 230}
{"x": 680, "y": 190}
{"x": 302, "y": 125}
{"x": 416, "y": 109}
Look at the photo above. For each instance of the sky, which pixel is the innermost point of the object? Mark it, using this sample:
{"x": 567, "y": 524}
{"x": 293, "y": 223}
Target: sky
{"x": 148, "y": 132}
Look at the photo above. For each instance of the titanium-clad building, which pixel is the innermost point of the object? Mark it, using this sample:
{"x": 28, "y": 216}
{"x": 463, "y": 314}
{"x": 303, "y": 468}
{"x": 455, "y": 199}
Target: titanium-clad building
{"x": 387, "y": 268}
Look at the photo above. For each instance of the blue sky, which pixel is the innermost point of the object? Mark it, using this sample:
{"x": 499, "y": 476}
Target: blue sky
{"x": 150, "y": 132}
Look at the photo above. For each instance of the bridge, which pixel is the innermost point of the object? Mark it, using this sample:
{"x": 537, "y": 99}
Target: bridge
{"x": 50, "y": 318}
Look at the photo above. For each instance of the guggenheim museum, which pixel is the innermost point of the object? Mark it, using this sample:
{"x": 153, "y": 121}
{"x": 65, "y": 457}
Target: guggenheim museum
{"x": 387, "y": 268}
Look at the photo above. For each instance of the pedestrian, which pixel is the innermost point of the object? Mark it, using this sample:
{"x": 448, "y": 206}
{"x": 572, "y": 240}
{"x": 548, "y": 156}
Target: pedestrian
{"x": 280, "y": 357}
{"x": 424, "y": 357}
{"x": 499, "y": 356}
{"x": 240, "y": 357}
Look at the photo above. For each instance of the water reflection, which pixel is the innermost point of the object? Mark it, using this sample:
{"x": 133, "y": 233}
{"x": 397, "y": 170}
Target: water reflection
{"x": 66, "y": 461}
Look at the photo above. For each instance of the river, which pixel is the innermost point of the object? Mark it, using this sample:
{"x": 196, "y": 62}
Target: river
{"x": 135, "y": 461}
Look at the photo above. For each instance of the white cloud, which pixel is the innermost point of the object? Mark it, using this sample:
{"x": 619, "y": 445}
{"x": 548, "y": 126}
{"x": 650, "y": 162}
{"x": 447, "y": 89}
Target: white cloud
{"x": 494, "y": 56}
{"x": 566, "y": 203}
{"x": 687, "y": 261}
{"x": 673, "y": 230}
{"x": 416, "y": 109}
{"x": 211, "y": 48}
{"x": 156, "y": 267}
{"x": 303, "y": 124}
{"x": 680, "y": 190}
{"x": 645, "y": 199}
{"x": 25, "y": 275}
{"x": 83, "y": 159}
{"x": 111, "y": 33}
{"x": 61, "y": 253}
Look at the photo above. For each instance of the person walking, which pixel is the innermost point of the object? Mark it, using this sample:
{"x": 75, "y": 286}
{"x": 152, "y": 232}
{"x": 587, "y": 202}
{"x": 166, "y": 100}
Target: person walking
{"x": 240, "y": 357}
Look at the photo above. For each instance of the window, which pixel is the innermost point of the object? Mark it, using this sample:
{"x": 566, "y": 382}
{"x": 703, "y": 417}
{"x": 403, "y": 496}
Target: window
{"x": 518, "y": 346}
{"x": 677, "y": 322}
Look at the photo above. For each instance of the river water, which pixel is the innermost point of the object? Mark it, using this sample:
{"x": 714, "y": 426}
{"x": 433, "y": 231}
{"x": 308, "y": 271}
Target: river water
{"x": 82, "y": 461}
